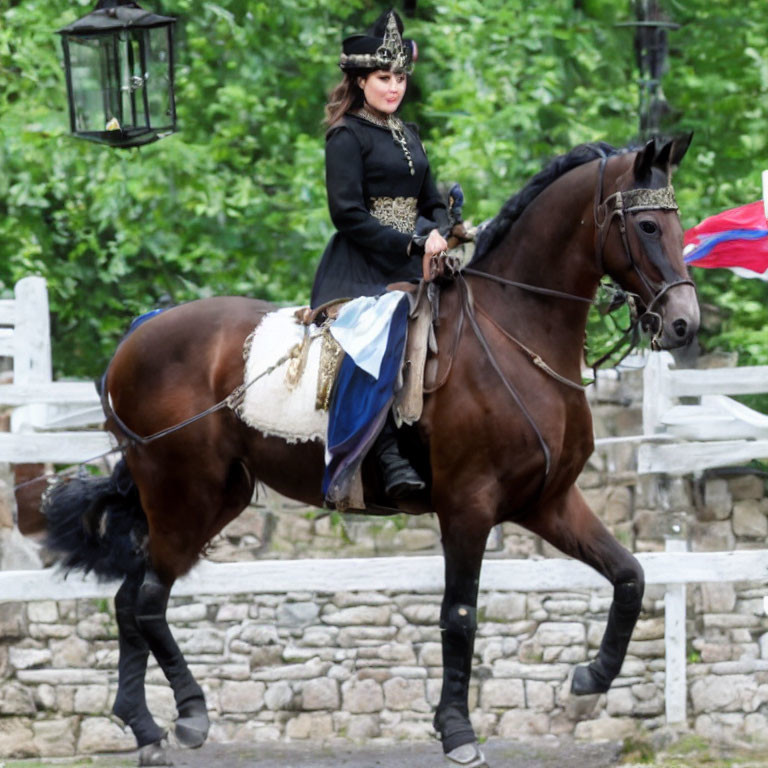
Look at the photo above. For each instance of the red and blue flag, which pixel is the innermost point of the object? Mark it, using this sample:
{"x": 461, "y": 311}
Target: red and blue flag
{"x": 737, "y": 238}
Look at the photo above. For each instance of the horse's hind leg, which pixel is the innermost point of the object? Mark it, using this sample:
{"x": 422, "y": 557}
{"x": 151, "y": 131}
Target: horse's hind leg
{"x": 130, "y": 703}
{"x": 463, "y": 547}
{"x": 187, "y": 494}
{"x": 575, "y": 530}
{"x": 192, "y": 723}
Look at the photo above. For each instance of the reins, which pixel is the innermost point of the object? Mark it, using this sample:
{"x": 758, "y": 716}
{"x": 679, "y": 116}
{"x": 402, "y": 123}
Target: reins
{"x": 74, "y": 469}
{"x": 527, "y": 286}
{"x": 535, "y": 358}
{"x": 467, "y": 307}
{"x": 231, "y": 401}
{"x": 631, "y": 332}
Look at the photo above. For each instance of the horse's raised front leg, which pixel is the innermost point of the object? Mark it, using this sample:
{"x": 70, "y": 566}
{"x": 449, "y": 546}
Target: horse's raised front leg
{"x": 574, "y": 529}
{"x": 192, "y": 723}
{"x": 131, "y": 703}
{"x": 463, "y": 548}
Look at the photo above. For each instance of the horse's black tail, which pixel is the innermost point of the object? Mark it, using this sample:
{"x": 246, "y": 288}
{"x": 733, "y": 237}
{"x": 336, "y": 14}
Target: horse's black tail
{"x": 97, "y": 524}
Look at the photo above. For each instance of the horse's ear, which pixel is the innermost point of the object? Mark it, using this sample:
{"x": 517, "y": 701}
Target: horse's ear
{"x": 661, "y": 161}
{"x": 679, "y": 147}
{"x": 644, "y": 160}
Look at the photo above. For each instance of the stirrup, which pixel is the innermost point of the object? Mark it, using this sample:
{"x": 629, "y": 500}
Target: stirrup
{"x": 467, "y": 756}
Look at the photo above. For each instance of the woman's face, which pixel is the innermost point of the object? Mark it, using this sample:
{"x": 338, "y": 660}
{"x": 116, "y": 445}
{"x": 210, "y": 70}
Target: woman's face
{"x": 383, "y": 90}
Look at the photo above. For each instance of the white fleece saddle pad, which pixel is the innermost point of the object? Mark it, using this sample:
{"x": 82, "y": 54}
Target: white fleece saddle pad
{"x": 282, "y": 402}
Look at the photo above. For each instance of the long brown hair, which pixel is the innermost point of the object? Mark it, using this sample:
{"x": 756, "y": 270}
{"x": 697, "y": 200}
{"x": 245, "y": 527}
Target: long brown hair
{"x": 344, "y": 97}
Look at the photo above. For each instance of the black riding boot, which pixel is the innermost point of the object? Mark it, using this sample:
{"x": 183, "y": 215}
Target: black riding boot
{"x": 400, "y": 478}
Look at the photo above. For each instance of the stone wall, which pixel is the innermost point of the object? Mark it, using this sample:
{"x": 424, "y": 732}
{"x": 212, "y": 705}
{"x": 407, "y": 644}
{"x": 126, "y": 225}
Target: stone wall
{"x": 368, "y": 665}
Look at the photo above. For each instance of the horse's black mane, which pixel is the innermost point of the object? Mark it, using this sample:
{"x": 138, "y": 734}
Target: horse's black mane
{"x": 495, "y": 229}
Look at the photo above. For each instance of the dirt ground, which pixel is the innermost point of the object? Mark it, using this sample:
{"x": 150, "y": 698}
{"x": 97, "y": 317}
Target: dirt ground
{"x": 543, "y": 753}
{"x": 399, "y": 755}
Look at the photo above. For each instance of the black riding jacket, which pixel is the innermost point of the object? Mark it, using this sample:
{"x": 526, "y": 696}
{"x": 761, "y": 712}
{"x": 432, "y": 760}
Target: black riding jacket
{"x": 374, "y": 201}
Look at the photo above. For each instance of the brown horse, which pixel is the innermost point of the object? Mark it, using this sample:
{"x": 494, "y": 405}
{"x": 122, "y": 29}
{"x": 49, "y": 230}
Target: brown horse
{"x": 503, "y": 439}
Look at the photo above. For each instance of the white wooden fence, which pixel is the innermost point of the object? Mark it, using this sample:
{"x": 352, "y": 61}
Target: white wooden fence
{"x": 714, "y": 431}
{"x": 691, "y": 424}
{"x": 412, "y": 573}
{"x": 49, "y": 404}
{"x": 44, "y": 409}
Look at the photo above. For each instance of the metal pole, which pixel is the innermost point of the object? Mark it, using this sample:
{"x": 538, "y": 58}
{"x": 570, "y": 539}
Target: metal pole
{"x": 651, "y": 29}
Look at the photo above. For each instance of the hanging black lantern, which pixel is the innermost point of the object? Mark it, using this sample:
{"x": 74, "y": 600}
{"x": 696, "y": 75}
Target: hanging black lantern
{"x": 119, "y": 66}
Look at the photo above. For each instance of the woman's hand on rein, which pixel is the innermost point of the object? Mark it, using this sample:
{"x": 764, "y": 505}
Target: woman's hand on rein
{"x": 433, "y": 263}
{"x": 435, "y": 244}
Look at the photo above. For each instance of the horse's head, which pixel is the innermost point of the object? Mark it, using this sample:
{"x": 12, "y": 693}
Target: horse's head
{"x": 642, "y": 249}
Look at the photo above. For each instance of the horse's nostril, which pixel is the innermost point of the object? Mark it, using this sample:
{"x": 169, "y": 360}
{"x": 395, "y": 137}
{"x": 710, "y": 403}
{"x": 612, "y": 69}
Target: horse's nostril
{"x": 680, "y": 327}
{"x": 650, "y": 323}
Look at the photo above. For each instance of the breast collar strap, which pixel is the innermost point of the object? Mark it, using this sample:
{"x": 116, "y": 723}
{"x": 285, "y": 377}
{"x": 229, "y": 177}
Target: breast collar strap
{"x": 468, "y": 310}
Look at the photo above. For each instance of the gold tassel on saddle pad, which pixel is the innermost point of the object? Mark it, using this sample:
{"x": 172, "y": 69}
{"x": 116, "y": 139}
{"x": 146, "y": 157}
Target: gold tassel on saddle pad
{"x": 298, "y": 361}
{"x": 331, "y": 355}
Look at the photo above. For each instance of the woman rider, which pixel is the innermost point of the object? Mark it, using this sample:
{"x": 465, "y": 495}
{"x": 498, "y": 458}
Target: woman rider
{"x": 378, "y": 182}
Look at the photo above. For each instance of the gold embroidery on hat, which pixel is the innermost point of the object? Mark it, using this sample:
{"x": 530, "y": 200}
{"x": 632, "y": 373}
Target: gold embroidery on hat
{"x": 391, "y": 54}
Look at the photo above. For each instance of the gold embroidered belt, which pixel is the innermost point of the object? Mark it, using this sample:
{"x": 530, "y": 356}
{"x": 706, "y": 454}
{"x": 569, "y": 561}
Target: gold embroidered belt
{"x": 397, "y": 212}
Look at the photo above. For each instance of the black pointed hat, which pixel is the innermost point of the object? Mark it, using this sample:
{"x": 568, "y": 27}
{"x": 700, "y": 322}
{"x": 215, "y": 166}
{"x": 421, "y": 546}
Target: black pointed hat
{"x": 381, "y": 47}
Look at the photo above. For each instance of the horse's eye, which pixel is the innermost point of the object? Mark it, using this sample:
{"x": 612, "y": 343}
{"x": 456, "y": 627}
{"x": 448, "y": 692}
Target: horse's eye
{"x": 648, "y": 227}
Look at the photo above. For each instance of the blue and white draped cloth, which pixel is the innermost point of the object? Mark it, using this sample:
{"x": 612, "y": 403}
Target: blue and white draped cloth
{"x": 371, "y": 331}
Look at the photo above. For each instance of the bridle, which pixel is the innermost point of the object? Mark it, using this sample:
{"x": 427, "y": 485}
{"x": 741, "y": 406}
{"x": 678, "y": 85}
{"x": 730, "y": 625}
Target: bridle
{"x": 617, "y": 205}
{"x": 632, "y": 201}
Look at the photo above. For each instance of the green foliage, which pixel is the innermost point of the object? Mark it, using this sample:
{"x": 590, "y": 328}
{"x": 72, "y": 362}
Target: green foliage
{"x": 235, "y": 202}
{"x": 718, "y": 85}
{"x": 103, "y": 605}
{"x": 637, "y": 751}
{"x": 504, "y": 86}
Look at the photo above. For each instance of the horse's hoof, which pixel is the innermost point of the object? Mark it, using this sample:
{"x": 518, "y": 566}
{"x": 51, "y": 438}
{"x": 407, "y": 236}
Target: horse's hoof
{"x": 467, "y": 756}
{"x": 145, "y": 730}
{"x": 192, "y": 731}
{"x": 584, "y": 683}
{"x": 154, "y": 754}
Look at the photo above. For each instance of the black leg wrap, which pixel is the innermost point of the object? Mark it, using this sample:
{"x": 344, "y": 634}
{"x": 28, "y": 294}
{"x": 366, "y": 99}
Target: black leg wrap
{"x": 192, "y": 724}
{"x": 461, "y": 621}
{"x": 452, "y": 716}
{"x": 130, "y": 703}
{"x": 454, "y": 728}
{"x": 599, "y": 674}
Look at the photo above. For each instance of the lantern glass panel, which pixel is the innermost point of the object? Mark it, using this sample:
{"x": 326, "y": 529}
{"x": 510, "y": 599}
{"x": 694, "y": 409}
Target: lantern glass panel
{"x": 132, "y": 83}
{"x": 95, "y": 90}
{"x": 162, "y": 110}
